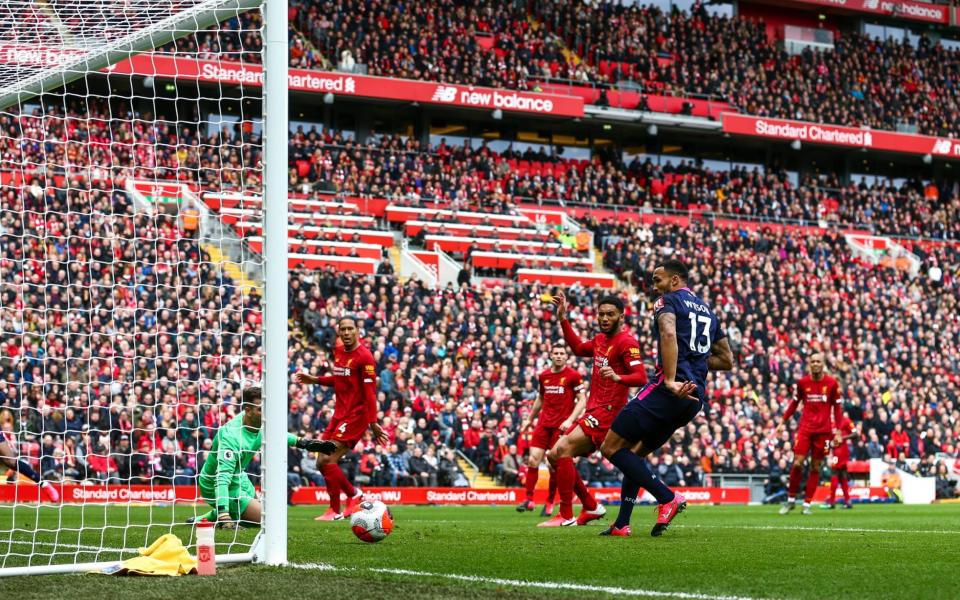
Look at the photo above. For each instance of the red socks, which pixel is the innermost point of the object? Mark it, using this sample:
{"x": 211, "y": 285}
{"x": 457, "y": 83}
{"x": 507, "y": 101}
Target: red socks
{"x": 795, "y": 474}
{"x": 532, "y": 476}
{"x": 552, "y": 491}
{"x": 566, "y": 476}
{"x": 569, "y": 482}
{"x": 586, "y": 498}
{"x": 844, "y": 485}
{"x": 345, "y": 484}
{"x": 333, "y": 485}
{"x": 812, "y": 482}
{"x": 336, "y": 483}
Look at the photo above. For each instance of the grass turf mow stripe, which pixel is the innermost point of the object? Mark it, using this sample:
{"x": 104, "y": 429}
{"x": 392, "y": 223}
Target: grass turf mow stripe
{"x": 484, "y": 552}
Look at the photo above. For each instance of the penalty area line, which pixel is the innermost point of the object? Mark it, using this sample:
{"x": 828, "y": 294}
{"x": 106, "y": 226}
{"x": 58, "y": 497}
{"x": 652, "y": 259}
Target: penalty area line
{"x": 522, "y": 583}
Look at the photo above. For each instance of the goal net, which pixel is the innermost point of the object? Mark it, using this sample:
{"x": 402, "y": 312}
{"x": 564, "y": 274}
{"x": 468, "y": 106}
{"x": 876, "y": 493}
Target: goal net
{"x": 131, "y": 317}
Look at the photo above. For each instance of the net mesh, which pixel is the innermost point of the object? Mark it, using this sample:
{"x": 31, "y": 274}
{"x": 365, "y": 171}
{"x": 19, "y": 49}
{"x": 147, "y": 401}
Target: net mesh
{"x": 130, "y": 319}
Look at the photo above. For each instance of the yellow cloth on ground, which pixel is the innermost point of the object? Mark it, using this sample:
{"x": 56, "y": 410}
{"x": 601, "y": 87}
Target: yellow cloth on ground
{"x": 166, "y": 556}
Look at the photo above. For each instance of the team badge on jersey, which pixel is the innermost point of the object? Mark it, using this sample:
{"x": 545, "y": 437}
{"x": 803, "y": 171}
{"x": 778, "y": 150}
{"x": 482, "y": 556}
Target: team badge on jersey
{"x": 658, "y": 304}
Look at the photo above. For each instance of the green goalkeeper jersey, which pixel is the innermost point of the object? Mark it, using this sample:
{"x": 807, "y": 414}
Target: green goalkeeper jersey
{"x": 233, "y": 449}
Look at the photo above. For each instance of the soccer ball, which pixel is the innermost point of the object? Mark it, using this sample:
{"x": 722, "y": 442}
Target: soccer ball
{"x": 372, "y": 522}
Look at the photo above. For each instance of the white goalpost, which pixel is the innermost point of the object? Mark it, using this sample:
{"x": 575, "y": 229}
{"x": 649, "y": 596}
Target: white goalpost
{"x": 131, "y": 315}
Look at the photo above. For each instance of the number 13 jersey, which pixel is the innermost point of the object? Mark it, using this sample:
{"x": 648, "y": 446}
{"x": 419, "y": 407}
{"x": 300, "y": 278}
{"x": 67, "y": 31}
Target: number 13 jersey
{"x": 697, "y": 330}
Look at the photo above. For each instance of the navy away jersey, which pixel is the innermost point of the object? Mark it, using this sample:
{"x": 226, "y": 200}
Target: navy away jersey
{"x": 697, "y": 330}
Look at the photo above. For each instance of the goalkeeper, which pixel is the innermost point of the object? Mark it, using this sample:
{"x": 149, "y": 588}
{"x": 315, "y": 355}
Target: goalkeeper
{"x": 223, "y": 481}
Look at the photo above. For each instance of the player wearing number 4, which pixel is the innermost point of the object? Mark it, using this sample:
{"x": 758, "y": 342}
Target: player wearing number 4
{"x": 354, "y": 381}
{"x": 690, "y": 343}
{"x": 223, "y": 481}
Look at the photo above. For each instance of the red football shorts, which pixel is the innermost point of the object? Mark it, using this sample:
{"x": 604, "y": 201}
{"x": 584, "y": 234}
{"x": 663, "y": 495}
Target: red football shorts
{"x": 544, "y": 437}
{"x": 838, "y": 463}
{"x": 840, "y": 457}
{"x": 347, "y": 433}
{"x": 596, "y": 424}
{"x": 812, "y": 443}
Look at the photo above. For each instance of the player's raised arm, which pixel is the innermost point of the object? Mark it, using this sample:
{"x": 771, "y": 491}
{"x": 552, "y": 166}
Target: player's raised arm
{"x": 721, "y": 356}
{"x": 577, "y": 346}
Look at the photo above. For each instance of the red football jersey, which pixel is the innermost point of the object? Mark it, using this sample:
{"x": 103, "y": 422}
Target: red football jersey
{"x": 842, "y": 452}
{"x": 620, "y": 352}
{"x": 819, "y": 399}
{"x": 354, "y": 381}
{"x": 559, "y": 392}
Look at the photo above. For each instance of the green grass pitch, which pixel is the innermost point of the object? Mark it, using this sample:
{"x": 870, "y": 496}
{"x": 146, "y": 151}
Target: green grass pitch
{"x": 493, "y": 552}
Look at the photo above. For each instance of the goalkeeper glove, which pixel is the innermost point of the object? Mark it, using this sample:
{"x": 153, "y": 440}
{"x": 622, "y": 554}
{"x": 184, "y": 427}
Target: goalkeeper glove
{"x": 321, "y": 446}
{"x": 225, "y": 522}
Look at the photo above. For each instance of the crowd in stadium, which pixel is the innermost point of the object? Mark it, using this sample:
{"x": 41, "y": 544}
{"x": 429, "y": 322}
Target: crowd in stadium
{"x": 111, "y": 350}
{"x": 464, "y": 176}
{"x": 460, "y": 367}
{"x": 884, "y": 84}
{"x": 239, "y": 40}
{"x": 443, "y": 381}
{"x": 442, "y": 386}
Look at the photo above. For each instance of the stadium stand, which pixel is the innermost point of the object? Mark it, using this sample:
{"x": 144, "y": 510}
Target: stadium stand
{"x": 635, "y": 56}
{"x": 463, "y": 178}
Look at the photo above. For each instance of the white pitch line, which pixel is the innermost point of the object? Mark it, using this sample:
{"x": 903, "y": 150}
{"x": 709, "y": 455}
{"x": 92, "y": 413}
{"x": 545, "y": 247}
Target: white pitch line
{"x": 317, "y": 567}
{"x": 823, "y": 529}
{"x": 522, "y": 583}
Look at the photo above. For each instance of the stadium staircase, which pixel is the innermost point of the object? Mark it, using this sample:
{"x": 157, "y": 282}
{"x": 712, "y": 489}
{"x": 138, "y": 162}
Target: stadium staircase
{"x": 232, "y": 270}
{"x": 598, "y": 262}
{"x": 568, "y": 54}
{"x": 395, "y": 258}
{"x": 473, "y": 474}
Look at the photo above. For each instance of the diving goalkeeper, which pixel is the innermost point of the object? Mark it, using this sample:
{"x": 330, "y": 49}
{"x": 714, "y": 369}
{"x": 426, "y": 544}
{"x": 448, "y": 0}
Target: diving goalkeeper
{"x": 223, "y": 481}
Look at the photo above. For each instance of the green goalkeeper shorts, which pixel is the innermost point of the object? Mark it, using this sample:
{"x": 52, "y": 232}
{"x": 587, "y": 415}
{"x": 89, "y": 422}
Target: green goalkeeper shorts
{"x": 239, "y": 493}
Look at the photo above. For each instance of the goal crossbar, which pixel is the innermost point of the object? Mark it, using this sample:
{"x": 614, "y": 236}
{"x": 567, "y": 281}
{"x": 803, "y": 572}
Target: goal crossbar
{"x": 21, "y": 80}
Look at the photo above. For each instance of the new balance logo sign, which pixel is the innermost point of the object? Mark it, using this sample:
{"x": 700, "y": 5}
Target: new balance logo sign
{"x": 871, "y": 4}
{"x": 444, "y": 93}
{"x": 942, "y": 147}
